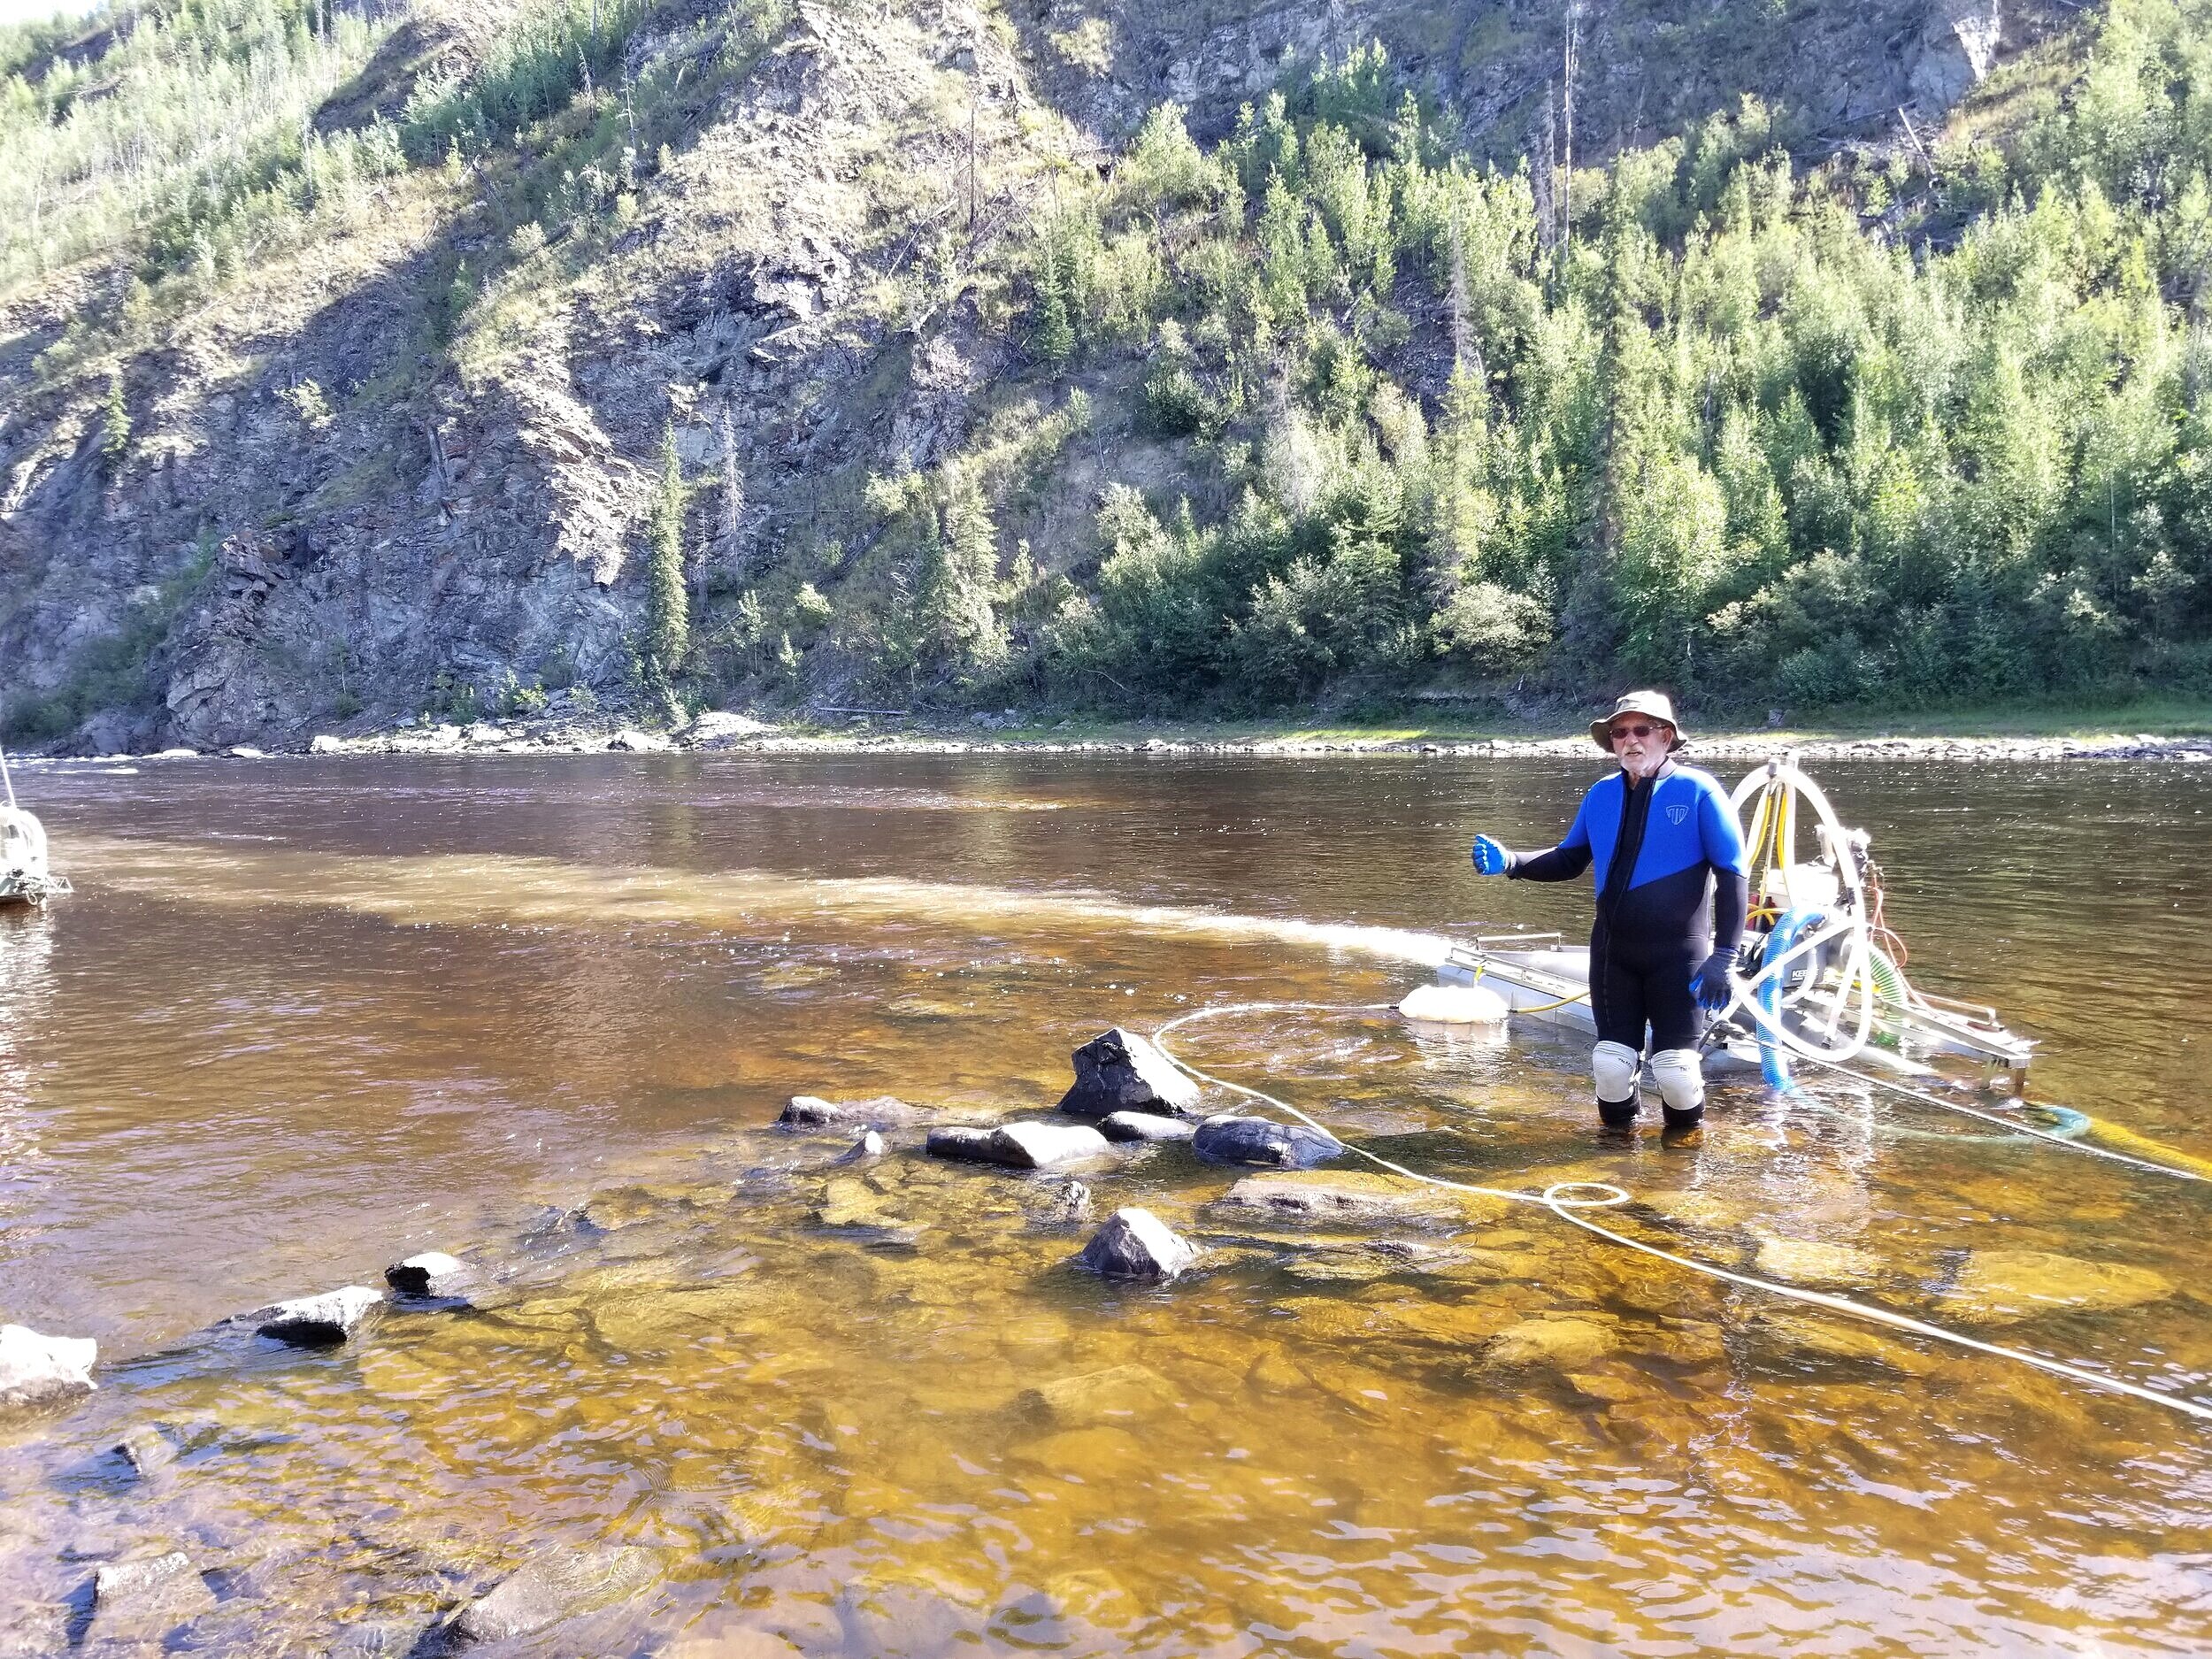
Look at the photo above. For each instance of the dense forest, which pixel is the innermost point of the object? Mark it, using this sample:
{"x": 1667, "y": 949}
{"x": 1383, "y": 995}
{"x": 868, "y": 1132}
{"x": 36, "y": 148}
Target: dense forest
{"x": 1911, "y": 433}
{"x": 1913, "y": 420}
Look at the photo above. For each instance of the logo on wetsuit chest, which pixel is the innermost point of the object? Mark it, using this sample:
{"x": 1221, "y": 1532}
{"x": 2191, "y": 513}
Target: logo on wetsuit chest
{"x": 1678, "y": 814}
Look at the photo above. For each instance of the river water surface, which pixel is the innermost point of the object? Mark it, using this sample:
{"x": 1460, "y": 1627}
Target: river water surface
{"x": 304, "y": 1018}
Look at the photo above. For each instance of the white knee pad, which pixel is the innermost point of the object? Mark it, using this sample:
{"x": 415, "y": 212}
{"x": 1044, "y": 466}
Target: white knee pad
{"x": 1613, "y": 1067}
{"x": 1681, "y": 1080}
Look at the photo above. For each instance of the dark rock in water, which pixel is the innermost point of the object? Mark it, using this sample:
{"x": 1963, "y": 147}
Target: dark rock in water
{"x": 318, "y": 1321}
{"x": 145, "y": 1600}
{"x": 555, "y": 1588}
{"x": 35, "y": 1369}
{"x": 147, "y": 1449}
{"x": 1126, "y": 1126}
{"x": 963, "y": 1141}
{"x": 811, "y": 1111}
{"x": 1120, "y": 1071}
{"x": 1137, "y": 1244}
{"x": 1020, "y": 1145}
{"x": 1261, "y": 1140}
{"x": 432, "y": 1275}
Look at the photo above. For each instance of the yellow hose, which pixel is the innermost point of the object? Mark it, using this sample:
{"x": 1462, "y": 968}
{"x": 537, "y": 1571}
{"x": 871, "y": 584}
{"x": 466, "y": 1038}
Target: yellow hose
{"x": 2127, "y": 1140}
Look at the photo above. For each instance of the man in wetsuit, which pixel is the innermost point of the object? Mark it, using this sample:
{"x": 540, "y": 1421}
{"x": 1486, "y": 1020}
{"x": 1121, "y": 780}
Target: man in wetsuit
{"x": 1669, "y": 864}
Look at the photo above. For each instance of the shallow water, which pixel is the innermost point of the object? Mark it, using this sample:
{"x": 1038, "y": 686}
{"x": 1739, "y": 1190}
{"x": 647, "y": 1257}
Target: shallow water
{"x": 302, "y": 1018}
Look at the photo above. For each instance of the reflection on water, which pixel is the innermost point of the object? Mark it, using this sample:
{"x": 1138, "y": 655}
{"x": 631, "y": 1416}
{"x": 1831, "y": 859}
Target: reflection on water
{"x": 301, "y": 1019}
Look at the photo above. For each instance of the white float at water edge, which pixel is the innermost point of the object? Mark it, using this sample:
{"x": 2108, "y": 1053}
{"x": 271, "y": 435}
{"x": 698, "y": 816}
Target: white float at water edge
{"x": 1454, "y": 1005}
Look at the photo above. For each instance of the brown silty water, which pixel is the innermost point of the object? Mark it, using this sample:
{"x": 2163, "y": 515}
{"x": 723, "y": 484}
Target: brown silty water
{"x": 302, "y": 1018}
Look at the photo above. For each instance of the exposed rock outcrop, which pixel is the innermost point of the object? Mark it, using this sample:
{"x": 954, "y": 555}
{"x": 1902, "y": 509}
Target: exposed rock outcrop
{"x": 1137, "y": 1244}
{"x": 321, "y": 1321}
{"x": 37, "y": 1370}
{"x": 1119, "y": 1071}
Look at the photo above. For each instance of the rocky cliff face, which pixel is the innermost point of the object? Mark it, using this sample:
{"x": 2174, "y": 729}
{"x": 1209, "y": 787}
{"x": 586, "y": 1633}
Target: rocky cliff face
{"x": 409, "y": 446}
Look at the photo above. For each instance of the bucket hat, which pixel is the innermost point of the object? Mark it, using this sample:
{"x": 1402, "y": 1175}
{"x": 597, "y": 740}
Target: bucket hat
{"x": 1653, "y": 703}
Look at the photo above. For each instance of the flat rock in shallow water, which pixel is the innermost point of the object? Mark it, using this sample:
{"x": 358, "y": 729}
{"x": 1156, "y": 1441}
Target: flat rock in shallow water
{"x": 1117, "y": 1391}
{"x": 432, "y": 1274}
{"x": 1348, "y": 1198}
{"x": 555, "y": 1588}
{"x": 1815, "y": 1335}
{"x": 1020, "y": 1145}
{"x": 1137, "y": 1244}
{"x": 1261, "y": 1140}
{"x": 2001, "y": 1286}
{"x": 1369, "y": 1259}
{"x": 1564, "y": 1344}
{"x": 1127, "y": 1127}
{"x": 1816, "y": 1265}
{"x": 879, "y": 1111}
{"x": 35, "y": 1369}
{"x": 1118, "y": 1071}
{"x": 146, "y": 1598}
{"x": 320, "y": 1321}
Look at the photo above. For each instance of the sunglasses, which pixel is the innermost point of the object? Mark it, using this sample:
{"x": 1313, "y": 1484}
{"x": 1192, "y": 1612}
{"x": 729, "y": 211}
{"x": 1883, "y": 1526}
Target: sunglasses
{"x": 1620, "y": 732}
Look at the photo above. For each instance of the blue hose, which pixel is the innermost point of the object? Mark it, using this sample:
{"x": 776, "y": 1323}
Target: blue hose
{"x": 1774, "y": 1062}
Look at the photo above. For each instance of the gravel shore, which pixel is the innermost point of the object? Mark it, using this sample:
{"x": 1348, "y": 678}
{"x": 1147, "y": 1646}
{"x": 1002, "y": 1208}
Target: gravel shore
{"x": 719, "y": 732}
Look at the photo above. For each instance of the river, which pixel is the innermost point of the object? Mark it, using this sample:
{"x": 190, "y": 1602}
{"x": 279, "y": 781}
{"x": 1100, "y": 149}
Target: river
{"x": 302, "y": 1018}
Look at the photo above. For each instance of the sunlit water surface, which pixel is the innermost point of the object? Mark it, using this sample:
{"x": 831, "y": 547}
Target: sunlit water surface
{"x": 302, "y": 1018}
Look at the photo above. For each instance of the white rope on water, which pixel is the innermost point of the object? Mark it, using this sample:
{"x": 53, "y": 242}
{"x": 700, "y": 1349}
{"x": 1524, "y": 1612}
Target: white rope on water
{"x": 1556, "y": 1199}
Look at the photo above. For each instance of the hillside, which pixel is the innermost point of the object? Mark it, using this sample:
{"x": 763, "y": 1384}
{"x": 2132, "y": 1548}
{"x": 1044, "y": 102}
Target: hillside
{"x": 362, "y": 360}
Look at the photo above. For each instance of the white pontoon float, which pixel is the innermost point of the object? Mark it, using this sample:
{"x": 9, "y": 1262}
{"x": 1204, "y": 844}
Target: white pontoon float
{"x": 24, "y": 877}
{"x": 1820, "y": 975}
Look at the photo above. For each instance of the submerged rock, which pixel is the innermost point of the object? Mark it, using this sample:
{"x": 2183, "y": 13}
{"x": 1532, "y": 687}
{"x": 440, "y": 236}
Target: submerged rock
{"x": 318, "y": 1321}
{"x": 144, "y": 1599}
{"x": 1020, "y": 1145}
{"x": 147, "y": 1449}
{"x": 35, "y": 1369}
{"x": 1145, "y": 1127}
{"x": 1119, "y": 1391}
{"x": 1233, "y": 1140}
{"x": 1069, "y": 1204}
{"x": 1564, "y": 1344}
{"x": 1816, "y": 1265}
{"x": 1118, "y": 1071}
{"x": 1366, "y": 1259}
{"x": 1137, "y": 1244}
{"x": 432, "y": 1274}
{"x": 2001, "y": 1287}
{"x": 1344, "y": 1198}
{"x": 878, "y": 1111}
{"x": 555, "y": 1588}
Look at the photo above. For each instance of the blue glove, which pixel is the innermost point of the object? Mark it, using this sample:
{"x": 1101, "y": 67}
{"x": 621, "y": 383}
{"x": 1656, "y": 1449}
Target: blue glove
{"x": 1490, "y": 858}
{"x": 1710, "y": 982}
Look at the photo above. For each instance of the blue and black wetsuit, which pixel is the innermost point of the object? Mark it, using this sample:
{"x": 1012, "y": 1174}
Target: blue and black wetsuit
{"x": 1669, "y": 864}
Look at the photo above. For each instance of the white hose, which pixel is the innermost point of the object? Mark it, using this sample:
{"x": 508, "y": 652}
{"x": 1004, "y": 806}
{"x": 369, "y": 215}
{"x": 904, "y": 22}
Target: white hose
{"x": 1781, "y": 779}
{"x": 1556, "y": 1199}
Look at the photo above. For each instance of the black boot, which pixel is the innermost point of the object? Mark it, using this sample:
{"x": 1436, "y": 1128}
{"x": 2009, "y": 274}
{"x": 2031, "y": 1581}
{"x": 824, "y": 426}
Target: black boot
{"x": 1617, "y": 1114}
{"x": 1678, "y": 1127}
